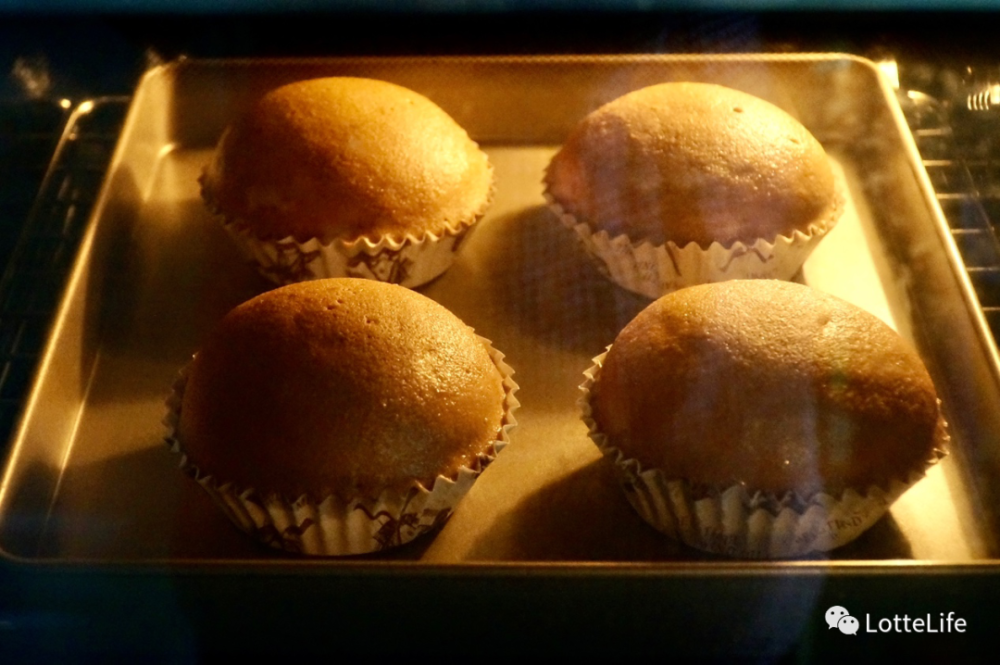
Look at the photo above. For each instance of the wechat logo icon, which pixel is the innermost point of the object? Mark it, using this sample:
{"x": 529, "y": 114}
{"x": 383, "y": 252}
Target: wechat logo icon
{"x": 838, "y": 617}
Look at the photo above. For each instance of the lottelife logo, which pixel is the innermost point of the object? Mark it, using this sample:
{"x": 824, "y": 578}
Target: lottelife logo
{"x": 839, "y": 618}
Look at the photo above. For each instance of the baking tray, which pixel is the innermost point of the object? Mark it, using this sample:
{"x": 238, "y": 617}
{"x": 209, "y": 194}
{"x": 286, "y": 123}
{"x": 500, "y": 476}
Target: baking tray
{"x": 89, "y": 480}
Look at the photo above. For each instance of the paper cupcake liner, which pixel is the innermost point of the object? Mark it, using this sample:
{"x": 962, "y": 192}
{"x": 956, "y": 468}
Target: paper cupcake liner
{"x": 409, "y": 260}
{"x": 331, "y": 527}
{"x": 654, "y": 270}
{"x": 736, "y": 522}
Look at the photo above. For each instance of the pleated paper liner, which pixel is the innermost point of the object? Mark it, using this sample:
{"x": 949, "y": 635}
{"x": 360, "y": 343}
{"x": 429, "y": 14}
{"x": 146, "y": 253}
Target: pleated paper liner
{"x": 409, "y": 260}
{"x": 654, "y": 270}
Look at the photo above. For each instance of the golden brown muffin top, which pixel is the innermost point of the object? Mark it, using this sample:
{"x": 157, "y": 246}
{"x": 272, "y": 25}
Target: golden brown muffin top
{"x": 693, "y": 162}
{"x": 343, "y": 386}
{"x": 770, "y": 384}
{"x": 344, "y": 158}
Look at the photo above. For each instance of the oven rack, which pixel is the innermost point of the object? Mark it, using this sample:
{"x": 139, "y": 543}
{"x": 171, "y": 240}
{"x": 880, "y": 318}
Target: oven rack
{"x": 61, "y": 154}
{"x": 960, "y": 150}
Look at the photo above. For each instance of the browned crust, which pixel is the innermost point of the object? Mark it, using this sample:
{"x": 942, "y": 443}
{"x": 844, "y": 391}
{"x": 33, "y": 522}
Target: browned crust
{"x": 345, "y": 158}
{"x": 693, "y": 162}
{"x": 768, "y": 384}
{"x": 342, "y": 386}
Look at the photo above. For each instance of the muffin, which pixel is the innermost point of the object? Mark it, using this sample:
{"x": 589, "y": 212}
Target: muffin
{"x": 679, "y": 184}
{"x": 341, "y": 416}
{"x": 761, "y": 418}
{"x": 344, "y": 176}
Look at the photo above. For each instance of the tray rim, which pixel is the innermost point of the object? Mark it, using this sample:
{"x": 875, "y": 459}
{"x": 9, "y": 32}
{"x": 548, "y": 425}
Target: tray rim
{"x": 264, "y": 566}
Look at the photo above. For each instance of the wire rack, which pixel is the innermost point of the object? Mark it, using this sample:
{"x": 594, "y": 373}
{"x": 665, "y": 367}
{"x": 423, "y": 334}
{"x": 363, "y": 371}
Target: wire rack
{"x": 961, "y": 153}
{"x": 52, "y": 162}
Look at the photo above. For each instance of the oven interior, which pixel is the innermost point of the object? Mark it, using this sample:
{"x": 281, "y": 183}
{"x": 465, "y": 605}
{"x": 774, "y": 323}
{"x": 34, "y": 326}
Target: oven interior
{"x": 59, "y": 125}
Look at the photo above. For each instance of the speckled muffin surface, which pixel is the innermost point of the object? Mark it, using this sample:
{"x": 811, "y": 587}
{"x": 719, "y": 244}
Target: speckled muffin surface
{"x": 341, "y": 386}
{"x": 345, "y": 158}
{"x": 767, "y": 384}
{"x": 693, "y": 163}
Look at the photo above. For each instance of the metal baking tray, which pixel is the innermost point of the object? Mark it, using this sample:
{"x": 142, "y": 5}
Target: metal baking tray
{"x": 90, "y": 482}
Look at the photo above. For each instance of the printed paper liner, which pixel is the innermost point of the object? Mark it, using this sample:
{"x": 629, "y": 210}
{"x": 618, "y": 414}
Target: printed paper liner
{"x": 409, "y": 260}
{"x": 736, "y": 522}
{"x": 331, "y": 527}
{"x": 655, "y": 270}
